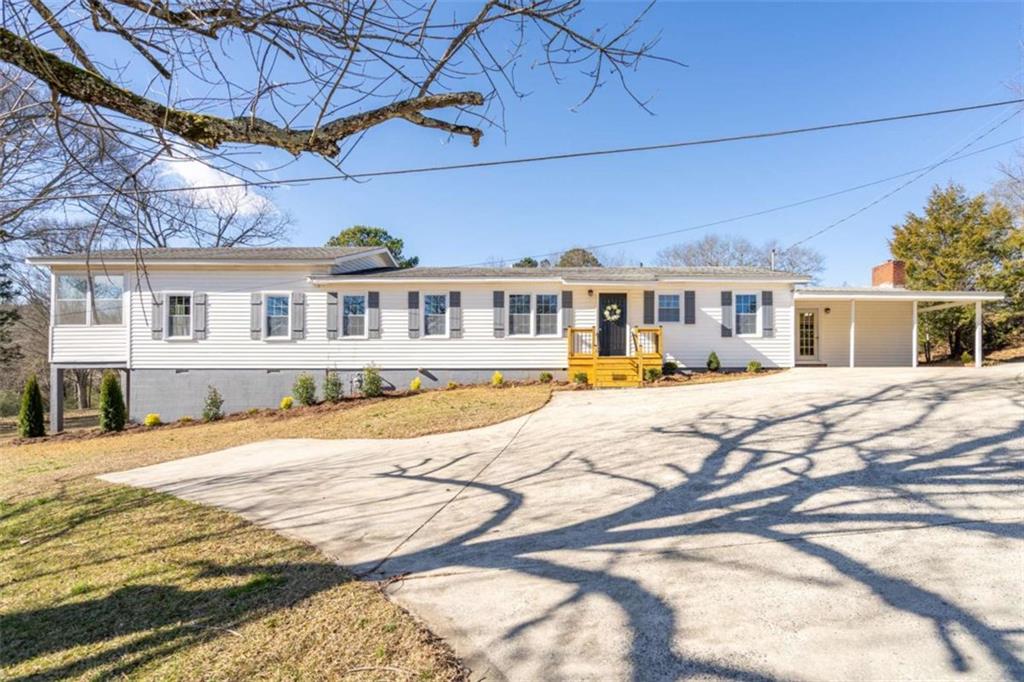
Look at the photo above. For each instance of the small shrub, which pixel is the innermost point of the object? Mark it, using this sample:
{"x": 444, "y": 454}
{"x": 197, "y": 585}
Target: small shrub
{"x": 452, "y": 384}
{"x": 415, "y": 384}
{"x": 580, "y": 377}
{"x": 373, "y": 384}
{"x": 186, "y": 420}
{"x": 652, "y": 374}
{"x": 668, "y": 368}
{"x": 253, "y": 411}
{"x": 967, "y": 359}
{"x": 546, "y": 377}
{"x": 212, "y": 406}
{"x": 287, "y": 402}
{"x": 304, "y": 389}
{"x": 30, "y": 417}
{"x": 333, "y": 388}
{"x": 152, "y": 419}
{"x": 753, "y": 366}
{"x": 112, "y": 412}
{"x": 497, "y": 379}
{"x": 714, "y": 364}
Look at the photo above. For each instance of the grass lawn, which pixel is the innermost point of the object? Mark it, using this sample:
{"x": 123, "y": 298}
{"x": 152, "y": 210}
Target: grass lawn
{"x": 105, "y": 580}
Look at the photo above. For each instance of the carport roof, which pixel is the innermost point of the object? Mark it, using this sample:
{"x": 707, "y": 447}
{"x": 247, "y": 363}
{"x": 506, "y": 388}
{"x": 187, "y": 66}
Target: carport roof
{"x": 893, "y": 294}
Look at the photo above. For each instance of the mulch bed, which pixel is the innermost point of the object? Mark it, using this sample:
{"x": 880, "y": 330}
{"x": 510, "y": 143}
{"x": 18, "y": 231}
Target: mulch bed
{"x": 266, "y": 413}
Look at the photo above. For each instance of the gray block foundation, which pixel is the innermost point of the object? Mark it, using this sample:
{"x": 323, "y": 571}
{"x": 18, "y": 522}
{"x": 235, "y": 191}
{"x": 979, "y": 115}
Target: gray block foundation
{"x": 176, "y": 393}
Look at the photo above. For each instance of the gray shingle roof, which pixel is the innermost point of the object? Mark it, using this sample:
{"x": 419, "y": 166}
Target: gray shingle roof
{"x": 631, "y": 274}
{"x": 237, "y": 253}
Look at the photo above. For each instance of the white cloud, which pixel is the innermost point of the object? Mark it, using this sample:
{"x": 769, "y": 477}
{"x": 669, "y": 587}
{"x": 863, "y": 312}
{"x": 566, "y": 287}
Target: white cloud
{"x": 195, "y": 173}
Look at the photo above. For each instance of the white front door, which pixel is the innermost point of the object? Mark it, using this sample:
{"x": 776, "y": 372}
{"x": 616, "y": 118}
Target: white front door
{"x": 807, "y": 335}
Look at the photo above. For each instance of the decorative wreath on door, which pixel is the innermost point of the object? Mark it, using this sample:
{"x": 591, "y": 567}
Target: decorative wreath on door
{"x": 612, "y": 312}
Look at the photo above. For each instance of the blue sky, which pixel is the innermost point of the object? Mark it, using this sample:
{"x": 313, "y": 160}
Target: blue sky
{"x": 752, "y": 67}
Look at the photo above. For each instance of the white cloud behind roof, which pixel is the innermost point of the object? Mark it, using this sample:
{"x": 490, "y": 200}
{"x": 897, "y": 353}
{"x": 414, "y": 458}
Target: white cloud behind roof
{"x": 195, "y": 173}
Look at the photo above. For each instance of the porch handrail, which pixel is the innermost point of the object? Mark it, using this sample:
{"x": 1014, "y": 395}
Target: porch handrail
{"x": 578, "y": 337}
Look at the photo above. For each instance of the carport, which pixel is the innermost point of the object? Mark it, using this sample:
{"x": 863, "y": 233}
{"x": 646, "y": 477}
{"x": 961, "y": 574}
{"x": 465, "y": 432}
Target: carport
{"x": 872, "y": 326}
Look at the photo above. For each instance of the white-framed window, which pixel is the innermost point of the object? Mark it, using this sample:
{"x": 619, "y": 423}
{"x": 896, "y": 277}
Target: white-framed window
{"x": 546, "y": 314}
{"x": 277, "y": 319}
{"x": 179, "y": 316}
{"x": 746, "y": 314}
{"x": 353, "y": 315}
{"x": 435, "y": 315}
{"x": 519, "y": 315}
{"x": 72, "y": 295}
{"x": 73, "y": 305}
{"x": 668, "y": 307}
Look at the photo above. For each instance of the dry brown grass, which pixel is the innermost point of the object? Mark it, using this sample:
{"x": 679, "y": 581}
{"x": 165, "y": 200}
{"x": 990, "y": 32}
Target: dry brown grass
{"x": 102, "y": 580}
{"x": 26, "y": 468}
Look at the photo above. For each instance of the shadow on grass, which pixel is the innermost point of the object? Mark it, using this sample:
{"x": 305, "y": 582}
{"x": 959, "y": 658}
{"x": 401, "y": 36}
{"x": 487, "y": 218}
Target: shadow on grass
{"x": 156, "y": 620}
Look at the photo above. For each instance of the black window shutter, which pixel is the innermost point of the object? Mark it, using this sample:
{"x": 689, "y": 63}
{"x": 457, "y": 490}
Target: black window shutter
{"x": 648, "y": 307}
{"x": 414, "y": 314}
{"x": 726, "y": 313}
{"x": 689, "y": 307}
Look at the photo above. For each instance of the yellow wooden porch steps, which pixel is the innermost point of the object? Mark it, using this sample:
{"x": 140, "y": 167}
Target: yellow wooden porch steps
{"x": 616, "y": 370}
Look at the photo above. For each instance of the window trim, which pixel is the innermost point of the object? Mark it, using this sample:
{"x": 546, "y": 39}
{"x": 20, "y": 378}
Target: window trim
{"x": 90, "y": 304}
{"x": 191, "y": 315}
{"x": 266, "y": 322}
{"x": 657, "y": 307}
{"x": 508, "y": 321}
{"x": 366, "y": 316}
{"x": 533, "y": 316}
{"x": 447, "y": 315}
{"x": 736, "y": 314}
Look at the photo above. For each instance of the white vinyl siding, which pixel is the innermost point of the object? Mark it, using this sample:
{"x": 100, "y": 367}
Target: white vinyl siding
{"x": 690, "y": 344}
{"x": 79, "y": 341}
{"x": 883, "y": 332}
{"x": 228, "y": 341}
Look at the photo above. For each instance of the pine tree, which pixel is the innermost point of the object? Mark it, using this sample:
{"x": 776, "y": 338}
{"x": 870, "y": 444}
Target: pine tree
{"x": 962, "y": 243}
{"x": 9, "y": 351}
{"x": 112, "y": 410}
{"x": 30, "y": 419}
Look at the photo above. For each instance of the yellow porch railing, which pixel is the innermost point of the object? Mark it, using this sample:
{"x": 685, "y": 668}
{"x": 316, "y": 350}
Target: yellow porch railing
{"x": 616, "y": 370}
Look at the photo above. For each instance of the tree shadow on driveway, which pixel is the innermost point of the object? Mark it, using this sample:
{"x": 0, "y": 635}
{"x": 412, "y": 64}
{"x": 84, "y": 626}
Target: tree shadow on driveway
{"x": 895, "y": 458}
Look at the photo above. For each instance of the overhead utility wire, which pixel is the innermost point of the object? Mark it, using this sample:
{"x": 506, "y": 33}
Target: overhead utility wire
{"x": 924, "y": 172}
{"x": 550, "y": 157}
{"x": 774, "y": 209}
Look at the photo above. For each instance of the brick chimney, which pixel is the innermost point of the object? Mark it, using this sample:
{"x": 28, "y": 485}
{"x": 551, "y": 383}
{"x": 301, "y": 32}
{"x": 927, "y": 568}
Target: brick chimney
{"x": 890, "y": 274}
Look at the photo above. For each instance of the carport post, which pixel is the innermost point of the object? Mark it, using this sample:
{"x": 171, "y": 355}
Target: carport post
{"x": 56, "y": 399}
{"x": 977, "y": 333}
{"x": 853, "y": 330}
{"x": 913, "y": 336}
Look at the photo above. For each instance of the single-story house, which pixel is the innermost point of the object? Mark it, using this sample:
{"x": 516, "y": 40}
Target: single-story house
{"x": 250, "y": 320}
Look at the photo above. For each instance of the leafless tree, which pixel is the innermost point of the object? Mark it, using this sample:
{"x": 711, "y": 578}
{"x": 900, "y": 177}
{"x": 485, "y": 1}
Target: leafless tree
{"x": 307, "y": 75}
{"x": 714, "y": 250}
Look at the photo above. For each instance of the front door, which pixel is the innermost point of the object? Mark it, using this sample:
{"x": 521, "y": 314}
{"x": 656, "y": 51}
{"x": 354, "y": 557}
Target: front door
{"x": 611, "y": 315}
{"x": 807, "y": 335}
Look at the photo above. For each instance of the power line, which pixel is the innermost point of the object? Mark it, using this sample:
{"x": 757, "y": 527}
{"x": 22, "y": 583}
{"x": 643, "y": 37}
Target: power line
{"x": 551, "y": 157}
{"x": 774, "y": 209}
{"x": 918, "y": 176}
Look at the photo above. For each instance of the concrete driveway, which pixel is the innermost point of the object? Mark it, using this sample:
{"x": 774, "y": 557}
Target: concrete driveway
{"x": 820, "y": 524}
